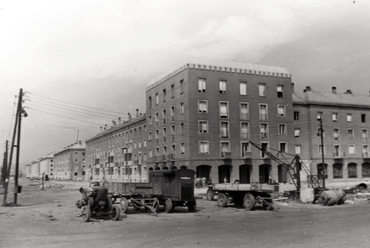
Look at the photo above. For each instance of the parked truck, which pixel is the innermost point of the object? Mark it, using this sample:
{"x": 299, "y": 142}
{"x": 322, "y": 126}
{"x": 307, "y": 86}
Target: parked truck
{"x": 167, "y": 188}
{"x": 247, "y": 195}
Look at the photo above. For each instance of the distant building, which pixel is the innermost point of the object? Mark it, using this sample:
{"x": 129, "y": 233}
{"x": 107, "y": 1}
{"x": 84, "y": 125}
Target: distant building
{"x": 203, "y": 115}
{"x": 346, "y": 124}
{"x": 70, "y": 162}
{"x": 34, "y": 169}
{"x": 119, "y": 152}
{"x": 47, "y": 165}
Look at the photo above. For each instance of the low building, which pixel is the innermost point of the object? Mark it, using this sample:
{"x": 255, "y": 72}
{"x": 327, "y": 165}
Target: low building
{"x": 47, "y": 165}
{"x": 345, "y": 120}
{"x": 119, "y": 152}
{"x": 70, "y": 162}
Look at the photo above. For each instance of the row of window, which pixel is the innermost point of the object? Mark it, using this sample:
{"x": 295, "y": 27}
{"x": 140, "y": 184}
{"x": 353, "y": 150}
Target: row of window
{"x": 335, "y": 116}
{"x": 121, "y": 136}
{"x": 337, "y": 151}
{"x": 336, "y": 134}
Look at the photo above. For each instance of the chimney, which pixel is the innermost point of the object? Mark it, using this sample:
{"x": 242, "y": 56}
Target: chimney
{"x": 119, "y": 120}
{"x": 293, "y": 86}
{"x": 114, "y": 123}
{"x": 101, "y": 129}
{"x": 308, "y": 88}
{"x": 348, "y": 92}
{"x": 334, "y": 90}
{"x": 137, "y": 112}
{"x": 105, "y": 127}
{"x": 129, "y": 116}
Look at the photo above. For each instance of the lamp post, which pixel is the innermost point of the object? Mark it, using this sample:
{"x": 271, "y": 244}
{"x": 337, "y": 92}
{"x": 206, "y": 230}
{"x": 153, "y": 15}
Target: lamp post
{"x": 321, "y": 130}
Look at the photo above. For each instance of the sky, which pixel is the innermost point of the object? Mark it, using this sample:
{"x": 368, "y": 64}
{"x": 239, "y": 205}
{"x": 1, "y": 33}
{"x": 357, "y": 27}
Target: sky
{"x": 82, "y": 64}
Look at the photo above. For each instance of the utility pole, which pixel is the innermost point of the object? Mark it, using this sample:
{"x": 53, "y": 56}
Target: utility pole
{"x": 20, "y": 112}
{"x": 4, "y": 169}
{"x": 322, "y": 150}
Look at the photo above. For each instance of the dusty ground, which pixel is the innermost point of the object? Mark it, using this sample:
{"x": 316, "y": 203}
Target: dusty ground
{"x": 48, "y": 218}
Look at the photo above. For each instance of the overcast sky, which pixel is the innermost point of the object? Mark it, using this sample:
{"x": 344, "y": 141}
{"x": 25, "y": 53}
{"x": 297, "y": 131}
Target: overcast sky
{"x": 102, "y": 54}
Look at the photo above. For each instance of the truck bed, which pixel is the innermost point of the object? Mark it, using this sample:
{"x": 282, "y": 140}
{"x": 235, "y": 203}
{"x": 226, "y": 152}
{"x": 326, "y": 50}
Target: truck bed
{"x": 134, "y": 188}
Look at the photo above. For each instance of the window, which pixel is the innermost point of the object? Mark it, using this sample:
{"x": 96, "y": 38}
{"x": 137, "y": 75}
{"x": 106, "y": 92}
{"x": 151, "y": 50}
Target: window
{"x": 280, "y": 91}
{"x": 182, "y": 108}
{"x": 282, "y": 129}
{"x": 150, "y": 136}
{"x": 203, "y": 147}
{"x": 263, "y": 112}
{"x": 222, "y": 86}
{"x": 156, "y": 136}
{"x": 264, "y": 130}
{"x": 156, "y": 119}
{"x": 201, "y": 85}
{"x": 352, "y": 170}
{"x": 245, "y": 148}
{"x": 173, "y": 148}
{"x": 336, "y": 134}
{"x": 281, "y": 110}
{"x": 164, "y": 95}
{"x": 243, "y": 88}
{"x": 156, "y": 99}
{"x": 297, "y": 149}
{"x": 364, "y": 135}
{"x": 150, "y": 153}
{"x": 173, "y": 132}
{"x": 264, "y": 146}
{"x": 150, "y": 102}
{"x": 172, "y": 113}
{"x": 320, "y": 149}
{"x": 351, "y": 149}
{"x": 282, "y": 147}
{"x": 336, "y": 152}
{"x": 244, "y": 111}
{"x": 262, "y": 90}
{"x": 203, "y": 126}
{"x": 224, "y": 129}
{"x": 335, "y": 116}
{"x": 182, "y": 129}
{"x": 297, "y": 132}
{"x": 224, "y": 110}
{"x": 363, "y": 118}
{"x": 350, "y": 133}
{"x": 76, "y": 160}
{"x": 225, "y": 148}
{"x": 172, "y": 91}
{"x": 181, "y": 86}
{"x": 365, "y": 151}
{"x": 349, "y": 117}
{"x": 164, "y": 116}
{"x": 164, "y": 134}
{"x": 202, "y": 106}
{"x": 296, "y": 115}
{"x": 144, "y": 142}
{"x": 149, "y": 119}
{"x": 244, "y": 130}
{"x": 182, "y": 148}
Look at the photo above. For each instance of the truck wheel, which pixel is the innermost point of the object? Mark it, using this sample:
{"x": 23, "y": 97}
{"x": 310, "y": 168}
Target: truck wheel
{"x": 86, "y": 213}
{"x": 124, "y": 204}
{"x": 210, "y": 195}
{"x": 249, "y": 201}
{"x": 115, "y": 212}
{"x": 192, "y": 206}
{"x": 168, "y": 205}
{"x": 222, "y": 200}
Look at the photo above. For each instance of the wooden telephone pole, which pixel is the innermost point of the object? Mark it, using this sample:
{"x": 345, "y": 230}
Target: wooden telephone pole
{"x": 17, "y": 131}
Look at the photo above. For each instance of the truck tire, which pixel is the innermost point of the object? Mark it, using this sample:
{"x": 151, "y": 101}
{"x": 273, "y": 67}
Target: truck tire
{"x": 124, "y": 204}
{"x": 222, "y": 200}
{"x": 115, "y": 212}
{"x": 249, "y": 201}
{"x": 86, "y": 213}
{"x": 168, "y": 206}
{"x": 210, "y": 195}
{"x": 192, "y": 206}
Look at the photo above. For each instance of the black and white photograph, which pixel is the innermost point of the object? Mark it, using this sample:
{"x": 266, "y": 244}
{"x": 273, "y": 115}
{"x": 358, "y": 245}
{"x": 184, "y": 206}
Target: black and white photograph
{"x": 184, "y": 123}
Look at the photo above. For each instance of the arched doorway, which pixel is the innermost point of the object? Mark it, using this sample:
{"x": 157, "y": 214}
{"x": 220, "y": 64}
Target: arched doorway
{"x": 224, "y": 172}
{"x": 337, "y": 170}
{"x": 203, "y": 171}
{"x": 245, "y": 171}
{"x": 366, "y": 170}
{"x": 352, "y": 170}
{"x": 320, "y": 170}
{"x": 282, "y": 173}
{"x": 183, "y": 167}
{"x": 264, "y": 173}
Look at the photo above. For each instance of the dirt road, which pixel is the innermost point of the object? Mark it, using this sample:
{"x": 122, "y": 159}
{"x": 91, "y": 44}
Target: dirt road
{"x": 48, "y": 218}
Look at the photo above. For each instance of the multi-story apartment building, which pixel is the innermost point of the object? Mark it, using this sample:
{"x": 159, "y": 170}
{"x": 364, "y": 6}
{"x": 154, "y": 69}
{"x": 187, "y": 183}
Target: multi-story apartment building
{"x": 70, "y": 162}
{"x": 203, "y": 115}
{"x": 346, "y": 124}
{"x": 47, "y": 165}
{"x": 119, "y": 152}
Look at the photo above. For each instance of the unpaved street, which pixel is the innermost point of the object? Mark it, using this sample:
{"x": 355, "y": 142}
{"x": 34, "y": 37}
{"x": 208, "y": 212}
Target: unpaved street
{"x": 49, "y": 219}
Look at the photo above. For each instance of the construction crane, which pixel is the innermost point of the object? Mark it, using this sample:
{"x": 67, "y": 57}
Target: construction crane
{"x": 293, "y": 167}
